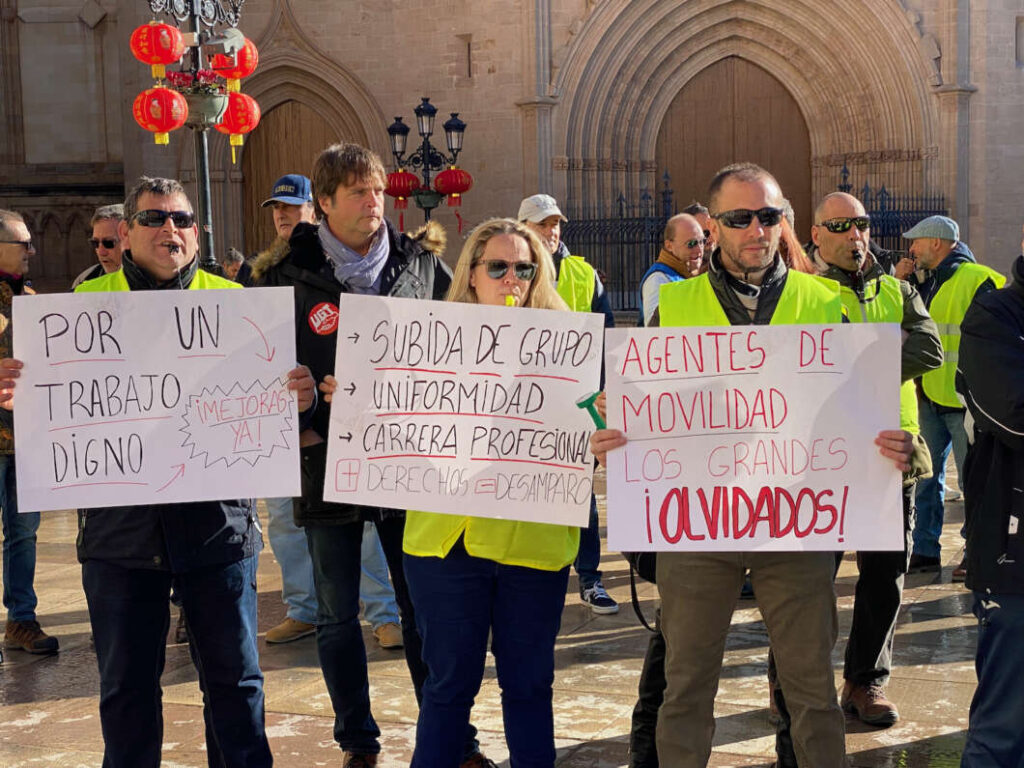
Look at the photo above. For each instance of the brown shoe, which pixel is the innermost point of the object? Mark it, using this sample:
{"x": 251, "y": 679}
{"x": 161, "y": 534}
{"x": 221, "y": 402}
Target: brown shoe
{"x": 354, "y": 760}
{"x": 290, "y": 630}
{"x": 389, "y": 636}
{"x": 29, "y": 636}
{"x": 477, "y": 760}
{"x": 960, "y": 572}
{"x": 869, "y": 704}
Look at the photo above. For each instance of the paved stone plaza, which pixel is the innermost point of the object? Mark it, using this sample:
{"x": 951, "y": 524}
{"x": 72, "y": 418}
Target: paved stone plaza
{"x": 49, "y": 718}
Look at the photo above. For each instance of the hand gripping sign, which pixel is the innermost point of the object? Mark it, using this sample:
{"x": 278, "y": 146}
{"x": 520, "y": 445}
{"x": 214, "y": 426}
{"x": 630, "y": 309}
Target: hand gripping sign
{"x": 155, "y": 397}
{"x": 463, "y": 409}
{"x": 753, "y": 438}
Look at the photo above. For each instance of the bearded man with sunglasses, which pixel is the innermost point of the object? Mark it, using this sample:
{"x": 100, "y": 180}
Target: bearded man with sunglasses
{"x": 105, "y": 242}
{"x": 133, "y": 556}
{"x": 748, "y": 283}
{"x": 841, "y": 235}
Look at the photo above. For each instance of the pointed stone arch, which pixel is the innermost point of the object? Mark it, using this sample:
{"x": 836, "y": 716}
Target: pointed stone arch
{"x": 871, "y": 107}
{"x": 291, "y": 68}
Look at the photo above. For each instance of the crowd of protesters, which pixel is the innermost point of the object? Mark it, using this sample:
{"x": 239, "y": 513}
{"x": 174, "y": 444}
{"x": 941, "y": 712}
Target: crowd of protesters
{"x": 460, "y": 582}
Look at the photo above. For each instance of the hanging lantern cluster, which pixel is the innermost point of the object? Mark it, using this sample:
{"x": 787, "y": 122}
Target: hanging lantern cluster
{"x": 162, "y": 108}
{"x": 452, "y": 183}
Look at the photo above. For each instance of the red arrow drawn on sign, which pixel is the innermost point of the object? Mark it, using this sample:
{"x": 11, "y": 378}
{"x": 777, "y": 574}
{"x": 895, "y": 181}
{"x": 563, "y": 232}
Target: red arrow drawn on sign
{"x": 270, "y": 350}
{"x": 179, "y": 471}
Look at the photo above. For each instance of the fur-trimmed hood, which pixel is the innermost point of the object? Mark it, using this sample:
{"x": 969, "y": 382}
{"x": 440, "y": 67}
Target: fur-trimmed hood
{"x": 271, "y": 257}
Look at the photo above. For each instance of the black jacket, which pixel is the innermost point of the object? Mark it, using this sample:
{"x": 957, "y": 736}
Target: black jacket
{"x": 412, "y": 271}
{"x": 990, "y": 378}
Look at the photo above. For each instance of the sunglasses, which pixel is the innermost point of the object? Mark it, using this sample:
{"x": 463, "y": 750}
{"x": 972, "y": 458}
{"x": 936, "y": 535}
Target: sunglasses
{"x": 109, "y": 244}
{"x": 695, "y": 242}
{"x": 740, "y": 218}
{"x": 26, "y": 244}
{"x": 497, "y": 269}
{"x": 840, "y": 225}
{"x": 156, "y": 218}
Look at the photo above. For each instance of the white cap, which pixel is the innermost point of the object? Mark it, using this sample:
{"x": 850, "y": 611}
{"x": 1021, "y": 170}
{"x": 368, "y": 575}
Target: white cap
{"x": 536, "y": 208}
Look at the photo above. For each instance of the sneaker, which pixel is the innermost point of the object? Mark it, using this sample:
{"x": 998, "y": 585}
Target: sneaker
{"x": 29, "y": 636}
{"x": 352, "y": 759}
{"x": 598, "y": 600}
{"x": 181, "y": 629}
{"x": 291, "y": 630}
{"x": 389, "y": 636}
{"x": 869, "y": 704}
{"x": 953, "y": 494}
{"x": 960, "y": 572}
{"x": 477, "y": 760}
{"x": 924, "y": 564}
{"x": 747, "y": 590}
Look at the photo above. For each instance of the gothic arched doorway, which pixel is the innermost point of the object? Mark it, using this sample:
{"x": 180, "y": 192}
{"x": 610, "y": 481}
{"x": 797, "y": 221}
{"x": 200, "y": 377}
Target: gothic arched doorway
{"x": 734, "y": 111}
{"x": 288, "y": 139}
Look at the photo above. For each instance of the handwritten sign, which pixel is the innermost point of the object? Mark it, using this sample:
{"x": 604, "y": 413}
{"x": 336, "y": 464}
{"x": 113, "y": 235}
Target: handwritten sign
{"x": 753, "y": 438}
{"x": 464, "y": 409}
{"x": 154, "y": 397}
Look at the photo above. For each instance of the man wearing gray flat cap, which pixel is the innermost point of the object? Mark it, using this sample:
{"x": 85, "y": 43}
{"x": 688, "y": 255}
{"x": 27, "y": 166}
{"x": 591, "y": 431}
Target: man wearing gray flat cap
{"x": 953, "y": 280}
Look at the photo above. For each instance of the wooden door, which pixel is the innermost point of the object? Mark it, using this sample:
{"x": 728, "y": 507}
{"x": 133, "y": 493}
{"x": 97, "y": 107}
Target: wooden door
{"x": 289, "y": 138}
{"x": 734, "y": 111}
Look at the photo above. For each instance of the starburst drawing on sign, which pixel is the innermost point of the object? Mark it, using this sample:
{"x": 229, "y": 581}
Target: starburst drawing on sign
{"x": 238, "y": 423}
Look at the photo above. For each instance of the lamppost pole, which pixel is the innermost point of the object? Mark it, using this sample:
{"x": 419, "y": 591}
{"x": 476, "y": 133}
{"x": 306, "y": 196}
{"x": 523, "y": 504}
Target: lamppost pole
{"x": 195, "y": 15}
{"x": 207, "y": 258}
{"x": 427, "y": 158}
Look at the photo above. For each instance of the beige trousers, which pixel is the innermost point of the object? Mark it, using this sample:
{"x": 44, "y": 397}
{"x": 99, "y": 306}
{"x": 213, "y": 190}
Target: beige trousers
{"x": 795, "y": 594}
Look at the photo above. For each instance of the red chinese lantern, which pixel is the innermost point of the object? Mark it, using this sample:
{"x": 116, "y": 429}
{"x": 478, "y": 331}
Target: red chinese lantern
{"x": 160, "y": 110}
{"x": 453, "y": 182}
{"x": 241, "y": 116}
{"x": 233, "y": 69}
{"x": 401, "y": 184}
{"x": 157, "y": 44}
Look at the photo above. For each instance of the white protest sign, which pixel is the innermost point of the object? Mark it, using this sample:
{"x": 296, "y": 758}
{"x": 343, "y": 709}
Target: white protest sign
{"x": 753, "y": 438}
{"x": 154, "y": 397}
{"x": 464, "y": 409}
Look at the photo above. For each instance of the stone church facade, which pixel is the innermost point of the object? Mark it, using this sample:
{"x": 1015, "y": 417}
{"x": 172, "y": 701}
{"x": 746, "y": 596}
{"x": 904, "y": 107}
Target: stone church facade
{"x": 585, "y": 99}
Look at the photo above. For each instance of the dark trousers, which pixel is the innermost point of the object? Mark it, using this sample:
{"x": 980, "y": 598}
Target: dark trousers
{"x": 128, "y": 609}
{"x": 336, "y": 554}
{"x": 460, "y": 600}
{"x": 588, "y": 559}
{"x": 995, "y": 738}
{"x": 643, "y": 751}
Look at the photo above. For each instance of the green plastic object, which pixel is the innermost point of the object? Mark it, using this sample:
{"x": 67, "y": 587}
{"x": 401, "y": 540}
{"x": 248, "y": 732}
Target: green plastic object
{"x": 587, "y": 402}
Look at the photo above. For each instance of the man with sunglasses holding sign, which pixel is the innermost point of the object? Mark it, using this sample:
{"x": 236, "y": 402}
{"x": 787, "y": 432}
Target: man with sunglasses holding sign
{"x": 132, "y": 556}
{"x": 105, "y": 242}
{"x": 841, "y": 235}
{"x": 748, "y": 283}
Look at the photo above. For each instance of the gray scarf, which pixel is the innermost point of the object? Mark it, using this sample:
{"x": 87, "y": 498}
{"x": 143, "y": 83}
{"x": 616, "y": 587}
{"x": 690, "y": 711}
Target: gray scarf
{"x": 360, "y": 274}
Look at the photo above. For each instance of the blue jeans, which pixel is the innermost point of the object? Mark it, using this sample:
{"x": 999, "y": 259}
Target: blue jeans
{"x": 288, "y": 543}
{"x": 379, "y": 606}
{"x": 128, "y": 609}
{"x": 589, "y": 557}
{"x": 941, "y": 431}
{"x": 995, "y": 738}
{"x": 19, "y": 548}
{"x": 460, "y": 600}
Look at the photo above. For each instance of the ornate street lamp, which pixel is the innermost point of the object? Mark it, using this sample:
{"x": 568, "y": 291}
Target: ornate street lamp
{"x": 206, "y": 23}
{"x": 449, "y": 182}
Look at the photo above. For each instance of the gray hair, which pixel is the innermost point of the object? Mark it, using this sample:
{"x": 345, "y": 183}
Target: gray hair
{"x": 113, "y": 212}
{"x": 7, "y": 218}
{"x": 234, "y": 256}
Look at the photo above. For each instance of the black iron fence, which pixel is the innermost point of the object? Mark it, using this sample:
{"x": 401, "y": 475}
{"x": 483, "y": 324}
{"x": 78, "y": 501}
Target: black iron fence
{"x": 621, "y": 243}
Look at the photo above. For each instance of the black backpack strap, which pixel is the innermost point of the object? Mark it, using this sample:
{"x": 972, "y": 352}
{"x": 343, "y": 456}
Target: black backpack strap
{"x": 636, "y": 601}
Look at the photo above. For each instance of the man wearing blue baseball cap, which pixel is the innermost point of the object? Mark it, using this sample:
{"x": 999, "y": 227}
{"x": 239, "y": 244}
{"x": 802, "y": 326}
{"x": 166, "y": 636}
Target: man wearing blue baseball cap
{"x": 953, "y": 280}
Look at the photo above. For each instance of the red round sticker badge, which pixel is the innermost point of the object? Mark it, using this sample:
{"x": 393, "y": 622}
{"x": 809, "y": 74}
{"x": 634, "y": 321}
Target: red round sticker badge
{"x": 323, "y": 318}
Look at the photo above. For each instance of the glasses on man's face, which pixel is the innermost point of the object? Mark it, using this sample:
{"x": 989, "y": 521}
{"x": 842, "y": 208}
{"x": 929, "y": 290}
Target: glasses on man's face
{"x": 740, "y": 218}
{"x": 156, "y": 218}
{"x": 695, "y": 242}
{"x": 107, "y": 243}
{"x": 842, "y": 224}
{"x": 497, "y": 269}
{"x": 26, "y": 244}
